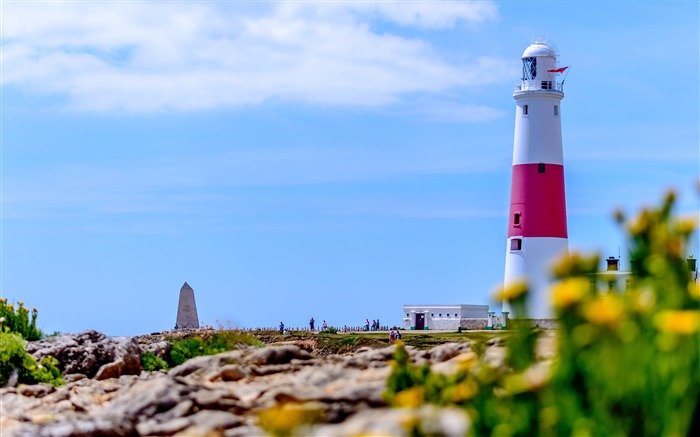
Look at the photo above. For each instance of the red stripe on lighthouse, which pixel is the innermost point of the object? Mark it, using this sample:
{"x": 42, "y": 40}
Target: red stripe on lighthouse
{"x": 537, "y": 201}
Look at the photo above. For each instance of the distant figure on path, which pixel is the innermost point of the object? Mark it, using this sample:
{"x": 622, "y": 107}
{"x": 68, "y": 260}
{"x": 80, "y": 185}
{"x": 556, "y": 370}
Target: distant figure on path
{"x": 366, "y": 324}
{"x": 311, "y": 323}
{"x": 391, "y": 335}
{"x": 398, "y": 334}
{"x": 325, "y": 325}
{"x": 378, "y": 326}
{"x": 281, "y": 328}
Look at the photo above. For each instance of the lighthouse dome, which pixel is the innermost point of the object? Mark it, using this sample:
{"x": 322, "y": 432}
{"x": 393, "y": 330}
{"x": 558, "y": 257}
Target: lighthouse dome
{"x": 539, "y": 49}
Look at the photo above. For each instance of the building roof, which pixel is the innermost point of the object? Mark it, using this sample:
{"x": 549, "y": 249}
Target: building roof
{"x": 540, "y": 49}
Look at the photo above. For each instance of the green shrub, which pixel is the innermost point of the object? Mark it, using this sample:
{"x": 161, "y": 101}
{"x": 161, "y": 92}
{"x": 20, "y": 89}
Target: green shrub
{"x": 329, "y": 330}
{"x": 13, "y": 356}
{"x": 151, "y": 362}
{"x": 19, "y": 320}
{"x": 627, "y": 363}
{"x": 208, "y": 344}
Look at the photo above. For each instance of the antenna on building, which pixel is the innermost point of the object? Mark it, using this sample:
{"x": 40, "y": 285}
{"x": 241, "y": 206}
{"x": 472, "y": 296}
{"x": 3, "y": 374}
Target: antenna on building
{"x": 619, "y": 256}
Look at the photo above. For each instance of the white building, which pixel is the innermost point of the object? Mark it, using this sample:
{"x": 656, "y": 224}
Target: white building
{"x": 445, "y": 317}
{"x": 612, "y": 279}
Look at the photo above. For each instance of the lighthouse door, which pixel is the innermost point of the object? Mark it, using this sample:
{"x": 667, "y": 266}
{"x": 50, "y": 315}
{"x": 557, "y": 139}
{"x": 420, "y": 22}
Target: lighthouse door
{"x": 420, "y": 321}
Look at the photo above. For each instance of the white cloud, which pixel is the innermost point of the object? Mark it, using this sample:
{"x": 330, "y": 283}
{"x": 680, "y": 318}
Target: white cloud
{"x": 142, "y": 57}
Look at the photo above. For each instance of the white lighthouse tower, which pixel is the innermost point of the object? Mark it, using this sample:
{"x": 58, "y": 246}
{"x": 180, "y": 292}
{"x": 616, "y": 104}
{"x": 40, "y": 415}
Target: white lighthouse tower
{"x": 537, "y": 230}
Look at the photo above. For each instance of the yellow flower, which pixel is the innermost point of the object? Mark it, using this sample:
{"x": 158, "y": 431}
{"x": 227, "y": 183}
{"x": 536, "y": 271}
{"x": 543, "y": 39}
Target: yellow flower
{"x": 694, "y": 290}
{"x": 678, "y": 322}
{"x": 410, "y": 398}
{"x": 686, "y": 225}
{"x": 569, "y": 291}
{"x": 575, "y": 264}
{"x": 283, "y": 419}
{"x": 464, "y": 391}
{"x": 604, "y": 310}
{"x": 511, "y": 291}
{"x": 639, "y": 225}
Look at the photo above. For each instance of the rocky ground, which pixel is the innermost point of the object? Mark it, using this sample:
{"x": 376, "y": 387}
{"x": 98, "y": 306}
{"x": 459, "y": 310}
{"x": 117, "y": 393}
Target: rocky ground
{"x": 107, "y": 393}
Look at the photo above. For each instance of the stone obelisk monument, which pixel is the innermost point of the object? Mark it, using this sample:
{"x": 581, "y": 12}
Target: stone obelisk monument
{"x": 187, "y": 309}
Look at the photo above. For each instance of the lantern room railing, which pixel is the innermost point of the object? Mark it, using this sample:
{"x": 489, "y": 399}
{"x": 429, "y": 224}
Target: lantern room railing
{"x": 540, "y": 85}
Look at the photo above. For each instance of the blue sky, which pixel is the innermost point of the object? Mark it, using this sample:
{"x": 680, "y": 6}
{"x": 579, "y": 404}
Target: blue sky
{"x": 326, "y": 159}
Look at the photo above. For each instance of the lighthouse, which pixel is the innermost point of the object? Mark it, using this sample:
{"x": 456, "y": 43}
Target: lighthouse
{"x": 537, "y": 231}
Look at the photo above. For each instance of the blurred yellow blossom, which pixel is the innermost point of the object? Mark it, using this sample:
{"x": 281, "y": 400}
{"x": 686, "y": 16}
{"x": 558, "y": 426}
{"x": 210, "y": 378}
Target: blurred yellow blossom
{"x": 511, "y": 291}
{"x": 678, "y": 322}
{"x": 410, "y": 398}
{"x": 686, "y": 225}
{"x": 604, "y": 310}
{"x": 640, "y": 224}
{"x": 575, "y": 264}
{"x": 284, "y": 418}
{"x": 569, "y": 291}
{"x": 694, "y": 290}
{"x": 463, "y": 391}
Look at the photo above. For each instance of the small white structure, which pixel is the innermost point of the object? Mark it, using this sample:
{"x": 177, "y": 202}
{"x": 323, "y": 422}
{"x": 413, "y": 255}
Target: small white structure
{"x": 445, "y": 317}
{"x": 612, "y": 279}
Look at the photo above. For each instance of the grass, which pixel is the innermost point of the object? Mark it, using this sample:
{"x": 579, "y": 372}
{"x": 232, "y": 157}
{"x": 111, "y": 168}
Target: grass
{"x": 325, "y": 344}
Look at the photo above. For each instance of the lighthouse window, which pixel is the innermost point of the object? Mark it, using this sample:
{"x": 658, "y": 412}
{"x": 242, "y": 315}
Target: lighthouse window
{"x": 529, "y": 68}
{"x": 540, "y": 167}
{"x": 556, "y": 110}
{"x": 525, "y": 109}
{"x": 516, "y": 218}
{"x": 516, "y": 244}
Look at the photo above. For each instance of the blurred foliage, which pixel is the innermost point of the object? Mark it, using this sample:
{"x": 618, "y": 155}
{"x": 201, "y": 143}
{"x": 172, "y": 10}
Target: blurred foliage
{"x": 19, "y": 321}
{"x": 13, "y": 358}
{"x": 627, "y": 362}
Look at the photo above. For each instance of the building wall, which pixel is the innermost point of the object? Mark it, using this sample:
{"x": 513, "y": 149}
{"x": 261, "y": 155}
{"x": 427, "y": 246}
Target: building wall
{"x": 474, "y": 324}
{"x": 444, "y": 317}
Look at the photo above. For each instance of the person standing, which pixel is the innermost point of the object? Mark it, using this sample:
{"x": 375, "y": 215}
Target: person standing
{"x": 311, "y": 324}
{"x": 325, "y": 325}
{"x": 281, "y": 328}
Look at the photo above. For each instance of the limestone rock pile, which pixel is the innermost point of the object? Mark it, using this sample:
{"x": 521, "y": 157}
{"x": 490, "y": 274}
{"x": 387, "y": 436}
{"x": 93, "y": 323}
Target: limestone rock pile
{"x": 221, "y": 394}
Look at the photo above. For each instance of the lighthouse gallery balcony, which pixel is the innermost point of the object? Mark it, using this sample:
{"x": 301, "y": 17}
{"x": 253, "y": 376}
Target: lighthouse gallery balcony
{"x": 539, "y": 85}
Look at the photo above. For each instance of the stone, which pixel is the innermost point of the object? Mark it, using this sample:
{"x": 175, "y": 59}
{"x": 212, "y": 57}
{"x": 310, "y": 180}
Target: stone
{"x": 187, "y": 317}
{"x": 88, "y": 352}
{"x": 206, "y": 363}
{"x": 229, "y": 372}
{"x": 35, "y": 390}
{"x": 447, "y": 351}
{"x": 161, "y": 349}
{"x": 425, "y": 420}
{"x": 277, "y": 355}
